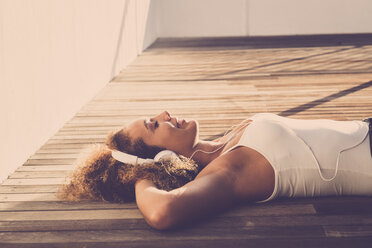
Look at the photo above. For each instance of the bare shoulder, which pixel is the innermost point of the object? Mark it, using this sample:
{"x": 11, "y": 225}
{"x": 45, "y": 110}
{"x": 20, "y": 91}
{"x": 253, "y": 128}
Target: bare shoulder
{"x": 249, "y": 173}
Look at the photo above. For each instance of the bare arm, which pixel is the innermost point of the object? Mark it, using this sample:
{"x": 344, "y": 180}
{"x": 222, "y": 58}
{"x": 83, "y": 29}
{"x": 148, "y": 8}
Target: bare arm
{"x": 206, "y": 195}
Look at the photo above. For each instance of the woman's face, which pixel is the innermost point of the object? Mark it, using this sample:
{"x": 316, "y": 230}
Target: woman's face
{"x": 166, "y": 131}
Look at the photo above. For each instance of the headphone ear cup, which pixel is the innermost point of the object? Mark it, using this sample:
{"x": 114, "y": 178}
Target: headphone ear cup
{"x": 166, "y": 155}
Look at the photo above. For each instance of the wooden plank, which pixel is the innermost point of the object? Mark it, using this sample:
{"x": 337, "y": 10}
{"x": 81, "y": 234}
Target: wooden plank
{"x": 231, "y": 223}
{"x": 57, "y": 151}
{"x": 360, "y": 205}
{"x": 246, "y": 211}
{"x": 235, "y": 242}
{"x": 72, "y": 225}
{"x": 151, "y": 237}
{"x": 207, "y": 242}
{"x": 55, "y": 156}
{"x": 50, "y": 161}
{"x": 272, "y": 209}
{"x": 62, "y": 205}
{"x": 38, "y": 181}
{"x": 40, "y": 174}
{"x": 95, "y": 214}
{"x": 26, "y": 189}
{"x": 28, "y": 197}
{"x": 356, "y": 230}
{"x": 37, "y": 168}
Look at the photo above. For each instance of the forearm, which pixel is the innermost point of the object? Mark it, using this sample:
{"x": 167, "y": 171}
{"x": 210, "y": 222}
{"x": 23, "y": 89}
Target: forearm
{"x": 195, "y": 200}
{"x": 153, "y": 203}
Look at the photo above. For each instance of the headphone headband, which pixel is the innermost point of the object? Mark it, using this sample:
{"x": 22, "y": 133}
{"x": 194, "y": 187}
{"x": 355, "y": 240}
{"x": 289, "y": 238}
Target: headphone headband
{"x": 129, "y": 158}
{"x": 132, "y": 159}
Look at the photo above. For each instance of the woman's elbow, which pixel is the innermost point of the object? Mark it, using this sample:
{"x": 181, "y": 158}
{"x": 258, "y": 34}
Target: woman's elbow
{"x": 161, "y": 218}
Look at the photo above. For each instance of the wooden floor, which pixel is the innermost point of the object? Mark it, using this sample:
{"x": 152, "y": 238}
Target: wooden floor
{"x": 219, "y": 82}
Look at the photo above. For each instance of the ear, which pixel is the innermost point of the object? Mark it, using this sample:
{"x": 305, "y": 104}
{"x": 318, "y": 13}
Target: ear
{"x": 166, "y": 155}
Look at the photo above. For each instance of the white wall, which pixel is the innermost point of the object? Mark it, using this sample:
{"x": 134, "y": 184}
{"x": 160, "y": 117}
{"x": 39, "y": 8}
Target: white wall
{"x": 294, "y": 17}
{"x": 201, "y": 18}
{"x": 55, "y": 55}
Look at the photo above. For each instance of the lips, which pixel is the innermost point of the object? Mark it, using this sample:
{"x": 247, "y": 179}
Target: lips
{"x": 180, "y": 123}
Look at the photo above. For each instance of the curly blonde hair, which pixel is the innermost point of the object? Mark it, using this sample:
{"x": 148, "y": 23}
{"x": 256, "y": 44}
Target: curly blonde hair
{"x": 100, "y": 177}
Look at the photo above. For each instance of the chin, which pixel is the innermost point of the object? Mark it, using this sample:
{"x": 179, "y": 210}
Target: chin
{"x": 195, "y": 126}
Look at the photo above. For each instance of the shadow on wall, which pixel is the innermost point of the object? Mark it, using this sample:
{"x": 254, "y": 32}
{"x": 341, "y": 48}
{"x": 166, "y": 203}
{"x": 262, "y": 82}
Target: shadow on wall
{"x": 145, "y": 29}
{"x": 118, "y": 45}
{"x": 149, "y": 31}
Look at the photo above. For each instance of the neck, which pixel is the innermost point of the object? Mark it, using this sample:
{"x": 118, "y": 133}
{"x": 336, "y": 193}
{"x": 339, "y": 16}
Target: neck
{"x": 213, "y": 149}
{"x": 203, "y": 158}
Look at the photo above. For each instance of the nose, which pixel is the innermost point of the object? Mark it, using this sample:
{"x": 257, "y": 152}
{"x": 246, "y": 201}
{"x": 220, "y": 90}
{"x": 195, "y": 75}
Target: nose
{"x": 163, "y": 116}
{"x": 166, "y": 116}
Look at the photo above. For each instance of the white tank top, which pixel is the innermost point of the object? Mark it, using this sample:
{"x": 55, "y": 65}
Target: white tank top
{"x": 303, "y": 153}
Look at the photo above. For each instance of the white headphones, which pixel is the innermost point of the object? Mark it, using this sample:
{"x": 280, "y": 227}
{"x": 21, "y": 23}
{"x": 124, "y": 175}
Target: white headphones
{"x": 132, "y": 159}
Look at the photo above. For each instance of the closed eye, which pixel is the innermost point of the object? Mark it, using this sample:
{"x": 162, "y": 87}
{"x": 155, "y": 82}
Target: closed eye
{"x": 153, "y": 124}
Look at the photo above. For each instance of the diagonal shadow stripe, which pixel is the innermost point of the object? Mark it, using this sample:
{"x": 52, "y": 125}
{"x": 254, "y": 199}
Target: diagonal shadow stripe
{"x": 320, "y": 101}
{"x": 314, "y": 103}
{"x": 284, "y": 61}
